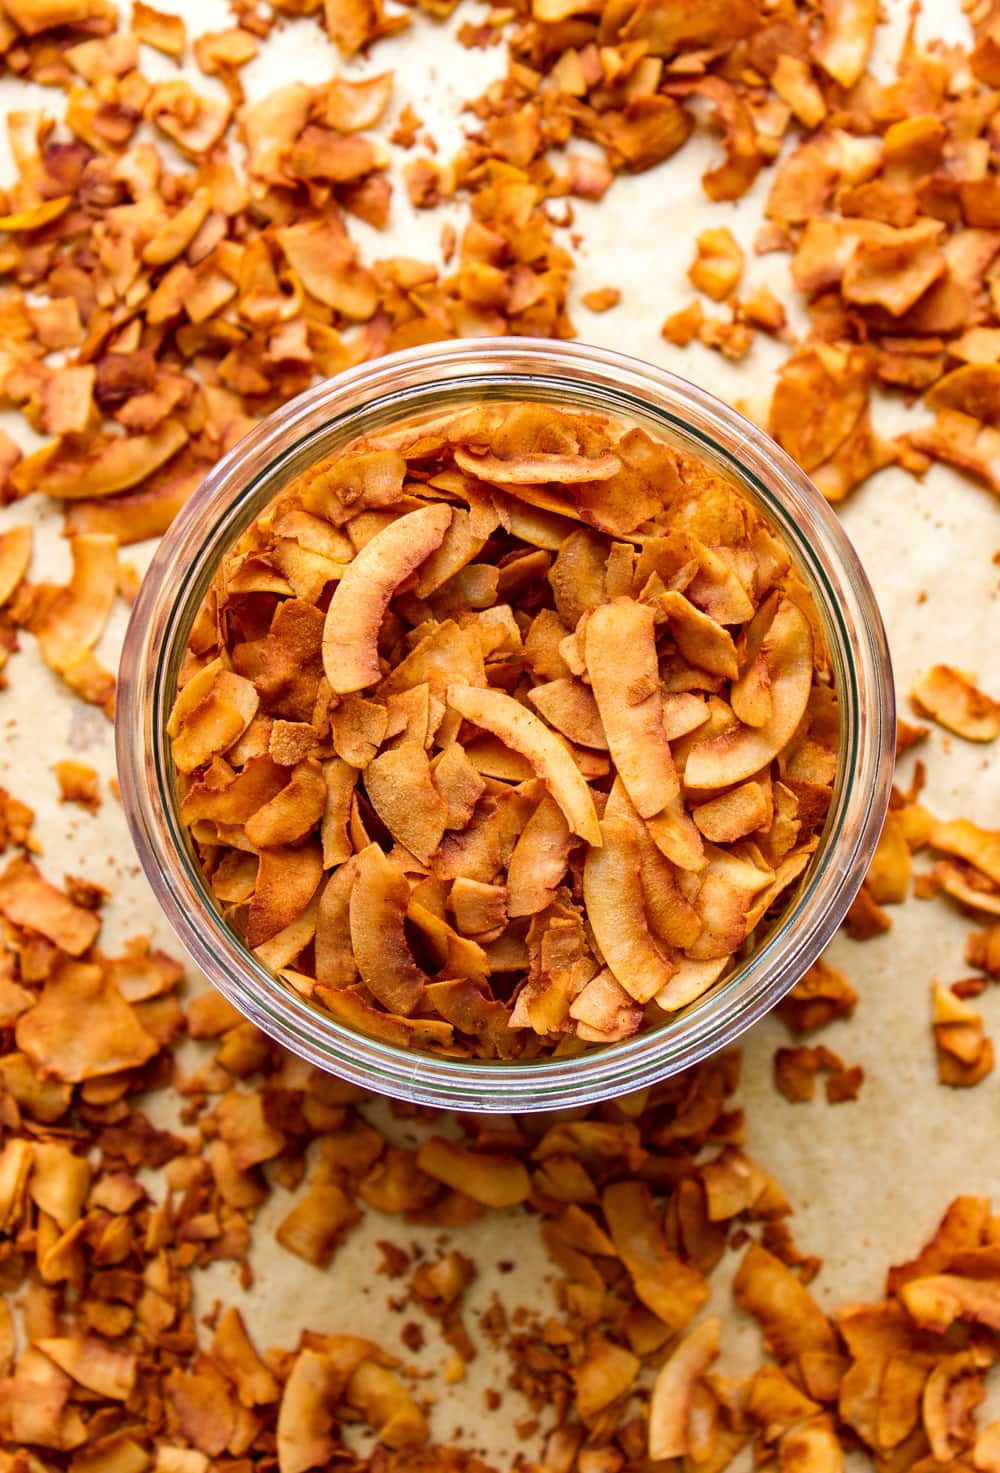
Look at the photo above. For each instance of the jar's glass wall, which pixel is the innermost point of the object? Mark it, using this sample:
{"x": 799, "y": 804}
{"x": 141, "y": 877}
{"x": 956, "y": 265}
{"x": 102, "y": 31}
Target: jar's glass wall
{"x": 424, "y": 382}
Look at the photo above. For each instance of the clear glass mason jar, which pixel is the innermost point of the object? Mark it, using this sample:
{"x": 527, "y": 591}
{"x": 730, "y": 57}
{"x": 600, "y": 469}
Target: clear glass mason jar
{"x": 433, "y": 378}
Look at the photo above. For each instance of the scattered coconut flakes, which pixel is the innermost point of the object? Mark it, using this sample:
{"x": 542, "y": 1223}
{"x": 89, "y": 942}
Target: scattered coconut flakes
{"x": 910, "y": 1400}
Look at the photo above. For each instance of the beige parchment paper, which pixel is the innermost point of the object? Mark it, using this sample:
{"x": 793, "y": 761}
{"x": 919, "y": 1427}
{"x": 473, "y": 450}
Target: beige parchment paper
{"x": 868, "y": 1180}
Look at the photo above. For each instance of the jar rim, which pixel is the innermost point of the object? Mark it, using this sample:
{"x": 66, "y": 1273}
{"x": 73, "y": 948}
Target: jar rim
{"x": 385, "y": 390}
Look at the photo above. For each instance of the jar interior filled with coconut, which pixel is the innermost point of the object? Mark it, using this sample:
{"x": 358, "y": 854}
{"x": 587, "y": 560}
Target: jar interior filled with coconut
{"x": 506, "y": 732}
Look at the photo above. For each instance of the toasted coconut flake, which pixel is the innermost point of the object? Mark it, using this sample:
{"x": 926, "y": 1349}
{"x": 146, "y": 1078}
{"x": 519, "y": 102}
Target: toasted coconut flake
{"x": 287, "y": 880}
{"x": 15, "y": 555}
{"x": 538, "y": 860}
{"x": 81, "y": 1027}
{"x": 355, "y": 104}
{"x": 822, "y": 995}
{"x": 387, "y": 1406}
{"x": 94, "y": 1364}
{"x": 400, "y": 789}
{"x": 495, "y": 1181}
{"x": 604, "y": 1012}
{"x": 935, "y": 1302}
{"x": 167, "y": 33}
{"x": 811, "y": 1446}
{"x": 605, "y": 1373}
{"x": 888, "y": 877}
{"x": 966, "y": 840}
{"x": 960, "y": 440}
{"x": 498, "y": 713}
{"x": 821, "y": 392}
{"x": 616, "y": 906}
{"x": 101, "y": 468}
{"x": 362, "y": 596}
{"x": 718, "y": 266}
{"x": 846, "y": 41}
{"x": 306, "y": 1427}
{"x": 35, "y": 216}
{"x": 317, "y": 1222}
{"x": 670, "y": 1405}
{"x": 735, "y": 814}
{"x": 744, "y": 160}
{"x": 791, "y": 1320}
{"x": 294, "y": 809}
{"x": 895, "y": 267}
{"x": 673, "y": 1290}
{"x": 794, "y": 83}
{"x": 194, "y": 123}
{"x": 58, "y": 1185}
{"x": 459, "y": 784}
{"x": 378, "y": 907}
{"x": 743, "y": 751}
{"x": 324, "y": 259}
{"x": 622, "y": 665}
{"x": 28, "y": 900}
{"x": 235, "y": 1355}
{"x": 70, "y": 620}
{"x": 569, "y": 706}
{"x": 701, "y": 640}
{"x": 210, "y": 723}
{"x": 538, "y": 469}
{"x": 951, "y": 698}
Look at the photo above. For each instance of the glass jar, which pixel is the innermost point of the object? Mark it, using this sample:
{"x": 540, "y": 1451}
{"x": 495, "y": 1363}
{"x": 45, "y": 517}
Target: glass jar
{"x": 439, "y": 377}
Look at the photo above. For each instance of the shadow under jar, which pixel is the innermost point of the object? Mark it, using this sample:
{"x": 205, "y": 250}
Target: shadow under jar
{"x": 426, "y": 383}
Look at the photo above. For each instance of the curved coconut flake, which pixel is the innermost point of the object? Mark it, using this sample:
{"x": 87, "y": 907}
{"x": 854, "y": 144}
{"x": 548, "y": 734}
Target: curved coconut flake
{"x": 569, "y": 706}
{"x": 604, "y": 1012}
{"x": 455, "y": 955}
{"x": 737, "y": 754}
{"x": 306, "y": 1434}
{"x": 672, "y": 918}
{"x": 72, "y": 619}
{"x": 846, "y": 40}
{"x": 616, "y": 909}
{"x": 287, "y": 879}
{"x": 15, "y": 555}
{"x": 108, "y": 464}
{"x": 737, "y": 812}
{"x": 966, "y": 840}
{"x": 108, "y": 1370}
{"x": 701, "y": 640}
{"x": 378, "y": 907}
{"x": 722, "y": 895}
{"x": 577, "y": 576}
{"x": 950, "y": 697}
{"x": 960, "y": 882}
{"x": 219, "y": 719}
{"x": 620, "y": 651}
{"x": 354, "y": 618}
{"x": 399, "y": 788}
{"x": 284, "y": 946}
{"x": 538, "y": 469}
{"x": 292, "y": 812}
{"x": 814, "y": 1445}
{"x": 675, "y": 834}
{"x": 750, "y": 695}
{"x": 690, "y": 981}
{"x": 673, "y": 1393}
{"x": 538, "y": 861}
{"x": 335, "y": 964}
{"x": 495, "y": 711}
